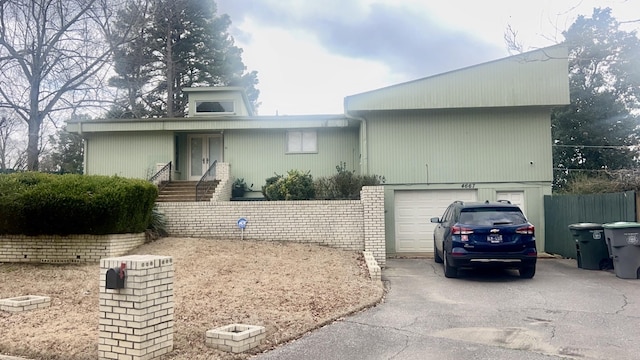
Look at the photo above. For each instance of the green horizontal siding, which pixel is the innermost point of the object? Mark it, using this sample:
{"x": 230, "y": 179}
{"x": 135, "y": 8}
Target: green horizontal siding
{"x": 537, "y": 78}
{"x": 132, "y": 155}
{"x": 473, "y": 145}
{"x": 257, "y": 155}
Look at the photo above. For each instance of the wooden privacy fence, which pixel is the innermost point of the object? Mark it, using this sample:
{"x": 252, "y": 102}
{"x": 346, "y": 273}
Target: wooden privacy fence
{"x": 560, "y": 211}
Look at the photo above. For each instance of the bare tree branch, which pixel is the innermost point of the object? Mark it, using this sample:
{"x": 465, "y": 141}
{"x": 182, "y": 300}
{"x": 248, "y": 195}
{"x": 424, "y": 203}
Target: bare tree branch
{"x": 510, "y": 38}
{"x": 53, "y": 52}
{"x": 10, "y": 149}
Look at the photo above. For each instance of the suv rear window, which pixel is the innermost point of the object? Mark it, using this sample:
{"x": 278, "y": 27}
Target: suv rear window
{"x": 490, "y": 216}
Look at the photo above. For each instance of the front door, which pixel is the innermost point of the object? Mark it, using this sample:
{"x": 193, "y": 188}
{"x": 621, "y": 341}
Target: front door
{"x": 203, "y": 150}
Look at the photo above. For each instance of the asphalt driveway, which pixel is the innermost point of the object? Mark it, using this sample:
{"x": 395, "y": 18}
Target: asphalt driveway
{"x": 562, "y": 313}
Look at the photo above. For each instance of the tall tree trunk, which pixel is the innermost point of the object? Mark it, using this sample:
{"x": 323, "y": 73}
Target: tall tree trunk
{"x": 32, "y": 147}
{"x": 57, "y": 43}
{"x": 33, "y": 151}
{"x": 170, "y": 73}
{"x": 4, "y": 124}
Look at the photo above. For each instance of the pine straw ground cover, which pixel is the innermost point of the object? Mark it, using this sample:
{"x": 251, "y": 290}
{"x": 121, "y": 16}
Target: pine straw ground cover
{"x": 288, "y": 288}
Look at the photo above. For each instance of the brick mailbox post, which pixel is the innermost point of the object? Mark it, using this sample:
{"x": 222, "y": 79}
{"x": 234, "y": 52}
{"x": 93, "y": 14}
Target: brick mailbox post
{"x": 136, "y": 307}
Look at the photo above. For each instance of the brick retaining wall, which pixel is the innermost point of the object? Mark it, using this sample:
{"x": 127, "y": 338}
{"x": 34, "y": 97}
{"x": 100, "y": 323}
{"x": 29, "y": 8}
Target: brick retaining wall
{"x": 223, "y": 190}
{"x": 355, "y": 225}
{"x": 66, "y": 249}
{"x": 372, "y": 198}
{"x": 345, "y": 224}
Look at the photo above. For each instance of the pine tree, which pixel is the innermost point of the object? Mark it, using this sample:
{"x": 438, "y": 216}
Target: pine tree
{"x": 67, "y": 151}
{"x": 596, "y": 131}
{"x": 181, "y": 43}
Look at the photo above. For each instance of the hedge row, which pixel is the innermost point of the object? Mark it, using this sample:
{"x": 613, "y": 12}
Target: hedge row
{"x": 296, "y": 185}
{"x": 44, "y": 204}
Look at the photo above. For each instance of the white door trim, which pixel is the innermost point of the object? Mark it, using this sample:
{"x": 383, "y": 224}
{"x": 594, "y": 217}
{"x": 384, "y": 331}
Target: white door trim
{"x": 202, "y": 157}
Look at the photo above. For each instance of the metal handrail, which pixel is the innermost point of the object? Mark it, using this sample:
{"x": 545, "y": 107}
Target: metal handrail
{"x": 162, "y": 177}
{"x": 206, "y": 180}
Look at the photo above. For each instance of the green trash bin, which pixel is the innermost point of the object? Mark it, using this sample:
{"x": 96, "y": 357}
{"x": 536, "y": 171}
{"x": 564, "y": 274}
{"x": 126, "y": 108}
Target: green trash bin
{"x": 591, "y": 249}
{"x": 623, "y": 239}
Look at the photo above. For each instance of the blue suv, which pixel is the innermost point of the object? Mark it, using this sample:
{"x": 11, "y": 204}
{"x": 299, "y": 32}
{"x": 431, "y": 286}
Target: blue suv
{"x": 479, "y": 234}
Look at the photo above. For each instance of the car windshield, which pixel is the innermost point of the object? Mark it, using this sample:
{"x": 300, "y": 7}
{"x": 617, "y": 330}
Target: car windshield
{"x": 490, "y": 216}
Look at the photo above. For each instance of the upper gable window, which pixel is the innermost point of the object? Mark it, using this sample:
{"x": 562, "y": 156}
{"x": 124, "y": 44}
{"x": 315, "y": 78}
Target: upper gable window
{"x": 300, "y": 142}
{"x": 205, "y": 107}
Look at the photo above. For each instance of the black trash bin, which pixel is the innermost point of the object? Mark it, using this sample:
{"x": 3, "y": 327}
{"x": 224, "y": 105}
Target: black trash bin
{"x": 591, "y": 249}
{"x": 623, "y": 239}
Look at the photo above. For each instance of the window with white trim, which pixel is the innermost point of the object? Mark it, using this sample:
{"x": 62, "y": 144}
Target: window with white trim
{"x": 203, "y": 107}
{"x": 302, "y": 142}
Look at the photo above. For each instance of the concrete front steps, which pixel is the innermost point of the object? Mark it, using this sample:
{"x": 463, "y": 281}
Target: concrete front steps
{"x": 184, "y": 191}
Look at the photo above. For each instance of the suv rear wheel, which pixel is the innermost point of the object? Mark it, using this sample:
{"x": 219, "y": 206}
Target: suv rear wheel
{"x": 436, "y": 257}
{"x": 449, "y": 271}
{"x": 527, "y": 272}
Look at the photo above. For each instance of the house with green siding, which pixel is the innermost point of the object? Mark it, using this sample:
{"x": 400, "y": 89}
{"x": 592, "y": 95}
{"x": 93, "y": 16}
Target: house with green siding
{"x": 478, "y": 133}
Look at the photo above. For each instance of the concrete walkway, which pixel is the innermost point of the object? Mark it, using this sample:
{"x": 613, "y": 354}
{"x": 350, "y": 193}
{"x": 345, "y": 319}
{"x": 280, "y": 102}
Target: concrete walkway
{"x": 562, "y": 313}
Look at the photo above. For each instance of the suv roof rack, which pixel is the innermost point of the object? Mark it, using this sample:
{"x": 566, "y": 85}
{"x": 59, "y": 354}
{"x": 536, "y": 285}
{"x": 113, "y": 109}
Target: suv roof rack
{"x": 504, "y": 201}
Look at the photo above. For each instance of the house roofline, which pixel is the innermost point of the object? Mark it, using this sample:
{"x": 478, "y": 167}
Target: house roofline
{"x": 203, "y": 124}
{"x": 524, "y": 54}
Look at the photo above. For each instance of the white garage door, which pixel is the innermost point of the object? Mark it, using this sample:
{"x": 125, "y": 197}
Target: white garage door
{"x": 413, "y": 211}
{"x": 516, "y": 198}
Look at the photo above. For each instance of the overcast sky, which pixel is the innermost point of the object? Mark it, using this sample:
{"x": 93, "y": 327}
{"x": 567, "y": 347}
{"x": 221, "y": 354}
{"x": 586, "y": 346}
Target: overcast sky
{"x": 310, "y": 54}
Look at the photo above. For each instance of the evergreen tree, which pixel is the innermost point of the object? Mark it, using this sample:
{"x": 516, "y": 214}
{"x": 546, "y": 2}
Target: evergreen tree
{"x": 131, "y": 61}
{"x": 67, "y": 155}
{"x": 181, "y": 43}
{"x": 596, "y": 131}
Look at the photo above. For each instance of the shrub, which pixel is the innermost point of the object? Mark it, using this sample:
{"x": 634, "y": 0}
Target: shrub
{"x": 345, "y": 185}
{"x": 603, "y": 182}
{"x": 270, "y": 190}
{"x": 157, "y": 226}
{"x": 37, "y": 203}
{"x": 294, "y": 186}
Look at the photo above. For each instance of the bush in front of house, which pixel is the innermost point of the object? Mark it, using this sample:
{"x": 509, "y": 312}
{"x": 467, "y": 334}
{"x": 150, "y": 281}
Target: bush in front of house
{"x": 345, "y": 185}
{"x": 44, "y": 204}
{"x": 296, "y": 185}
{"x": 157, "y": 227}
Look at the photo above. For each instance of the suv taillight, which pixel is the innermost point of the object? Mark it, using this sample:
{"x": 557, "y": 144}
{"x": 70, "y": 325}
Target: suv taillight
{"x": 526, "y": 230}
{"x": 459, "y": 230}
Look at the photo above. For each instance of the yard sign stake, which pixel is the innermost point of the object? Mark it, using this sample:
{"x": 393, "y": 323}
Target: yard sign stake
{"x": 242, "y": 223}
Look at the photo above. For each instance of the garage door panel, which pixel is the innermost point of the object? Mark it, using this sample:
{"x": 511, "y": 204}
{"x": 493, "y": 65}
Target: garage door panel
{"x": 515, "y": 197}
{"x": 413, "y": 211}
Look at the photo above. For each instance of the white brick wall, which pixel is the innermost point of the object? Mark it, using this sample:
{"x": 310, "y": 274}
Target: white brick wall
{"x": 372, "y": 198}
{"x": 345, "y": 224}
{"x": 65, "y": 249}
{"x": 136, "y": 322}
{"x": 223, "y": 190}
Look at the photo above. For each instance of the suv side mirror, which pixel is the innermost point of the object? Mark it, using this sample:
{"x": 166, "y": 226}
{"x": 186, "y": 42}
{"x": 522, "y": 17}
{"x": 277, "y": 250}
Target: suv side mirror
{"x": 435, "y": 220}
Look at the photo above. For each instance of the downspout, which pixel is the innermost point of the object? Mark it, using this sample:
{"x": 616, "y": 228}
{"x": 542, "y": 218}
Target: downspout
{"x": 85, "y": 145}
{"x": 364, "y": 152}
{"x": 85, "y": 169}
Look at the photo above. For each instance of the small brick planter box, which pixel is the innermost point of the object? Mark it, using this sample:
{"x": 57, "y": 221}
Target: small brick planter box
{"x": 235, "y": 338}
{"x": 24, "y": 303}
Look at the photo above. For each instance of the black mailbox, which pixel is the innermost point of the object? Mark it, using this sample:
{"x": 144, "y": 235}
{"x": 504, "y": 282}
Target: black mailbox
{"x": 116, "y": 277}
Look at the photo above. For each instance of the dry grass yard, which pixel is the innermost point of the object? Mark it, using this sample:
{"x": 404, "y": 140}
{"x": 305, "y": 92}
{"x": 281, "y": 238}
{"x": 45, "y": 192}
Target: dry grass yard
{"x": 288, "y": 288}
